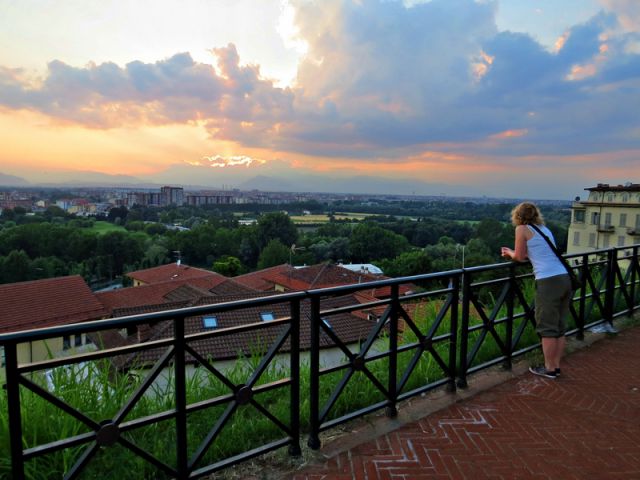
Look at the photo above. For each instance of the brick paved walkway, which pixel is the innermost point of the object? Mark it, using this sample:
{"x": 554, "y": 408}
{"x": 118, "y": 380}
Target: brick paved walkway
{"x": 585, "y": 425}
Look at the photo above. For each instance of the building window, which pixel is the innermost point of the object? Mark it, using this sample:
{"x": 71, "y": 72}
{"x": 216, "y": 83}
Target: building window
{"x": 595, "y": 218}
{"x": 623, "y": 219}
{"x": 592, "y": 239}
{"x": 77, "y": 340}
{"x": 638, "y": 220}
{"x": 210, "y": 321}
{"x": 610, "y": 197}
{"x": 605, "y": 241}
{"x": 576, "y": 238}
{"x": 66, "y": 342}
{"x": 578, "y": 216}
{"x": 625, "y": 197}
{"x": 267, "y": 316}
{"x": 621, "y": 241}
{"x": 607, "y": 219}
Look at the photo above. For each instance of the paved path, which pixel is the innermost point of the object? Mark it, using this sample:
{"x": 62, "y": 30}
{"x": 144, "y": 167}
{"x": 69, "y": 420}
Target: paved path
{"x": 584, "y": 425}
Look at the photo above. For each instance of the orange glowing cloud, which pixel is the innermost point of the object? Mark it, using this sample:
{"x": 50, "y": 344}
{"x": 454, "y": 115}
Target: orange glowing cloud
{"x": 561, "y": 41}
{"x": 218, "y": 161}
{"x": 580, "y": 72}
{"x": 510, "y": 134}
{"x": 31, "y": 142}
{"x": 480, "y": 67}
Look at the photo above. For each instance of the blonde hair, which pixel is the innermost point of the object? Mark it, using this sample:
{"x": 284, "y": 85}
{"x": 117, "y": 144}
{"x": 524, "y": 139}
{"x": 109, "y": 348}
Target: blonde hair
{"x": 526, "y": 213}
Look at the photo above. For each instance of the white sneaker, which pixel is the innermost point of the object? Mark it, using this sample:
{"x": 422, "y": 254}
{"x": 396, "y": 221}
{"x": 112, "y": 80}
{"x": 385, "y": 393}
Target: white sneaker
{"x": 604, "y": 328}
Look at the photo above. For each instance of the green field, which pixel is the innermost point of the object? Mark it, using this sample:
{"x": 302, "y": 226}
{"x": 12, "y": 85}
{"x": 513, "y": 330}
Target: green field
{"x": 323, "y": 218}
{"x": 101, "y": 228}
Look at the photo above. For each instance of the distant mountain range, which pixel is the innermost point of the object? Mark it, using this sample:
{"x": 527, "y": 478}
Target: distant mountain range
{"x": 12, "y": 181}
{"x": 296, "y": 183}
{"x": 355, "y": 184}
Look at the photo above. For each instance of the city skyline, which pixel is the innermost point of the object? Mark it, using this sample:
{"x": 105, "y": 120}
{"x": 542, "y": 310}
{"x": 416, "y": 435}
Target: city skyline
{"x": 508, "y": 99}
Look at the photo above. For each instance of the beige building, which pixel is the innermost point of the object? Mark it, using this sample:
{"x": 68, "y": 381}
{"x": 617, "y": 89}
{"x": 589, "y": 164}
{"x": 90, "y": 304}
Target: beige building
{"x": 609, "y": 217}
{"x": 47, "y": 303}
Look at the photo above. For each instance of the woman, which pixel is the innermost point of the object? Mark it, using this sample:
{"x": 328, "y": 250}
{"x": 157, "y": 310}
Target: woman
{"x": 553, "y": 286}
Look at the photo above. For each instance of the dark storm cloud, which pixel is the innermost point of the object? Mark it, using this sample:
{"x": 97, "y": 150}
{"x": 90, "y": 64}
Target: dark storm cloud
{"x": 378, "y": 78}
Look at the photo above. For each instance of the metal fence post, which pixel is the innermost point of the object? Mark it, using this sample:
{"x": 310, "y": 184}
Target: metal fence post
{"x": 582, "y": 304}
{"x": 294, "y": 338}
{"x": 391, "y": 409}
{"x": 13, "y": 404}
{"x": 633, "y": 263}
{"x": 453, "y": 332}
{"x": 611, "y": 283}
{"x": 314, "y": 371}
{"x": 181, "y": 399}
{"x": 464, "y": 330}
{"x": 509, "y": 333}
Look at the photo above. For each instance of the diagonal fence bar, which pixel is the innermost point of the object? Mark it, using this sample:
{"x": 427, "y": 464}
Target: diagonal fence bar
{"x": 479, "y": 308}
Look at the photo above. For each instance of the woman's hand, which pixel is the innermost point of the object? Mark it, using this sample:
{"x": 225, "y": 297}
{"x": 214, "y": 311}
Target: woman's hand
{"x": 506, "y": 252}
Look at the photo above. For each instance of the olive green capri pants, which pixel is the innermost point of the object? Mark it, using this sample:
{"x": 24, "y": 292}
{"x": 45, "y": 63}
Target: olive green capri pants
{"x": 553, "y": 297}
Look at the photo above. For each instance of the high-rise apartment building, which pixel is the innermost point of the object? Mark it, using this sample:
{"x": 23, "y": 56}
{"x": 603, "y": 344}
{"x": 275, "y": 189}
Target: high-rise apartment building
{"x": 609, "y": 217}
{"x": 172, "y": 196}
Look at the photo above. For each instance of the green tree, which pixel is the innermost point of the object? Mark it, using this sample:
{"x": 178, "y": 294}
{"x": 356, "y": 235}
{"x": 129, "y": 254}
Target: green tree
{"x": 370, "y": 242}
{"x": 7, "y": 214}
{"x": 155, "y": 229}
{"x": 442, "y": 256}
{"x": 276, "y": 225}
{"x": 117, "y": 249}
{"x": 248, "y": 249}
{"x": 118, "y": 212}
{"x": 320, "y": 250}
{"x": 478, "y": 253}
{"x": 155, "y": 255}
{"x": 275, "y": 253}
{"x": 15, "y": 267}
{"x": 339, "y": 249}
{"x": 48, "y": 267}
{"x": 134, "y": 225}
{"x": 415, "y": 262}
{"x": 494, "y": 233}
{"x": 228, "y": 266}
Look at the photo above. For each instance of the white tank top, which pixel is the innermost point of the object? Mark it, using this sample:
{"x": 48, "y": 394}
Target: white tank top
{"x": 544, "y": 260}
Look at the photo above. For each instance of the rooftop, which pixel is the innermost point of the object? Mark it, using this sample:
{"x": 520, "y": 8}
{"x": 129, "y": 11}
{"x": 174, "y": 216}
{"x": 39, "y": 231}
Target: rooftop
{"x": 172, "y": 271}
{"x": 47, "y": 303}
{"x": 605, "y": 187}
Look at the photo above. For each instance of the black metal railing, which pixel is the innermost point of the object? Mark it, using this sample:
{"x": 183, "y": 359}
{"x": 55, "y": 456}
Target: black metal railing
{"x": 427, "y": 331}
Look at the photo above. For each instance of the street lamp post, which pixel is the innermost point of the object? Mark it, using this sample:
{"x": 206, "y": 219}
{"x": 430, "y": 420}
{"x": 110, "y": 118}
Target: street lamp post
{"x": 463, "y": 247}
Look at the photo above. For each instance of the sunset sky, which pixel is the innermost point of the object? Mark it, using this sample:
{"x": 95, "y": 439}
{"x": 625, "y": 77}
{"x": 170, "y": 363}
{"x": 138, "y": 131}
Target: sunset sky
{"x": 524, "y": 98}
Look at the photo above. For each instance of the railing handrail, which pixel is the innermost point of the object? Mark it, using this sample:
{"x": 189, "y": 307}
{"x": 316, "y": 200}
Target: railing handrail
{"x": 450, "y": 345}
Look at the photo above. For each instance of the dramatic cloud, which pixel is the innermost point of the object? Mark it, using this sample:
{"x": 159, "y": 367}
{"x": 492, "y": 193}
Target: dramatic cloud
{"x": 175, "y": 90}
{"x": 379, "y": 80}
{"x": 220, "y": 161}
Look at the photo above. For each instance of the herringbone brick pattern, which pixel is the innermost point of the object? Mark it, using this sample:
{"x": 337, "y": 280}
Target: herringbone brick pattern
{"x": 584, "y": 425}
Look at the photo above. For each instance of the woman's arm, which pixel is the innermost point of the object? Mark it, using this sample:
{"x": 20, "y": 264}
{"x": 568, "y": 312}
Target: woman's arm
{"x": 519, "y": 254}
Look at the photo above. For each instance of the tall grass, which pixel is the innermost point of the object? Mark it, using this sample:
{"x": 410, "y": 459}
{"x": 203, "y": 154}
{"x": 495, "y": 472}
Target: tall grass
{"x": 98, "y": 393}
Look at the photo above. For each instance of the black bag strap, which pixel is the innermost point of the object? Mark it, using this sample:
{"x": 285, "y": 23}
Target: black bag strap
{"x": 554, "y": 249}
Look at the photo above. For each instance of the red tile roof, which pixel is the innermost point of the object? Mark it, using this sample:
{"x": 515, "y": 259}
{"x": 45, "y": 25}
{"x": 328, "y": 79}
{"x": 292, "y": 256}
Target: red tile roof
{"x": 349, "y": 327}
{"x": 163, "y": 292}
{"x": 323, "y": 275}
{"x": 258, "y": 280}
{"x": 47, "y": 303}
{"x": 173, "y": 272}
